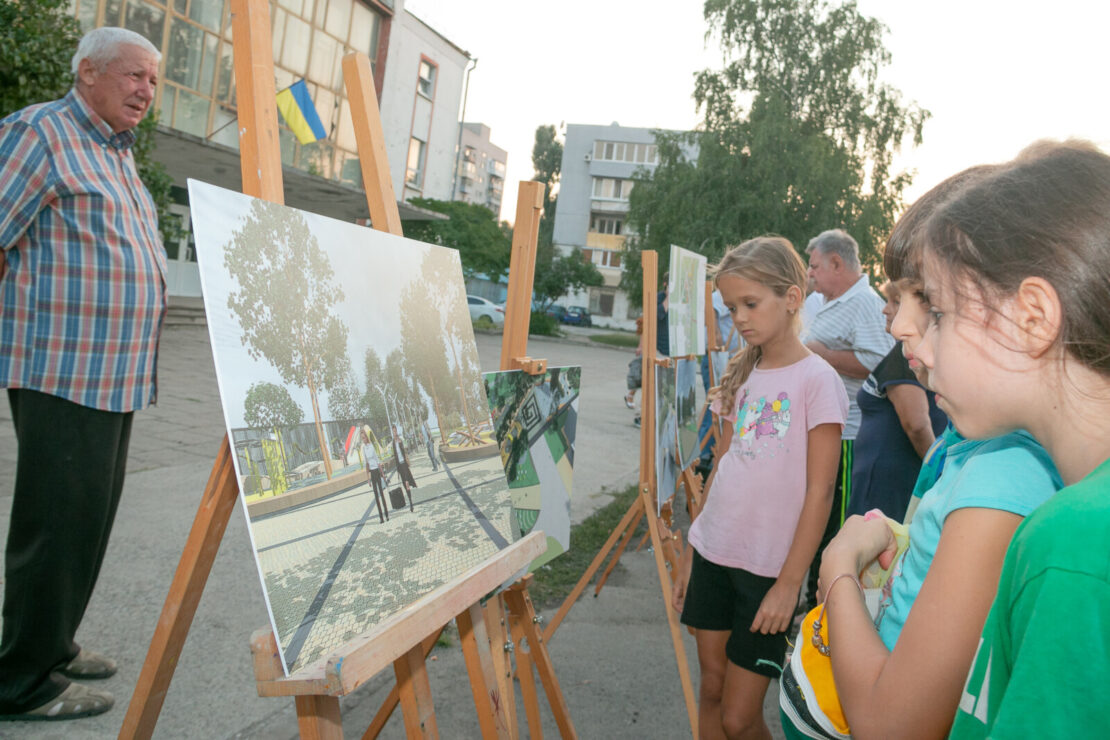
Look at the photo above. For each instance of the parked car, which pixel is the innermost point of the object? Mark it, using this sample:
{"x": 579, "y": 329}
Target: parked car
{"x": 485, "y": 313}
{"x": 556, "y": 312}
{"x": 578, "y": 315}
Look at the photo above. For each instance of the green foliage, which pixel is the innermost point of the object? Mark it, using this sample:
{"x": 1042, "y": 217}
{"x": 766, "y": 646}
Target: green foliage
{"x": 269, "y": 406}
{"x": 553, "y": 581}
{"x": 617, "y": 340}
{"x": 797, "y": 136}
{"x": 547, "y": 160}
{"x": 37, "y": 41}
{"x": 543, "y": 325}
{"x": 558, "y": 275}
{"x": 484, "y": 245}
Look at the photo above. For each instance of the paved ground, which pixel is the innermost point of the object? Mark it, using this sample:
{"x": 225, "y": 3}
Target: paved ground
{"x": 613, "y": 654}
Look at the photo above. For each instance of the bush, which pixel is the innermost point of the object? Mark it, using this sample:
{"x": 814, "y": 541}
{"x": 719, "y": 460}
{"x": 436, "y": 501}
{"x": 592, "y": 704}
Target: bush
{"x": 542, "y": 324}
{"x": 617, "y": 340}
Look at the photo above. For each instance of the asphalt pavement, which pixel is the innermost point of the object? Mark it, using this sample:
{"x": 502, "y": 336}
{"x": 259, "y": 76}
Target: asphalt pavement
{"x": 612, "y": 654}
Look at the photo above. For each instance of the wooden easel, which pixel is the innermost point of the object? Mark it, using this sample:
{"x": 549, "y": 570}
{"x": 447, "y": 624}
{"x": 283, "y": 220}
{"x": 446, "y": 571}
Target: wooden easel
{"x": 316, "y": 688}
{"x": 663, "y": 542}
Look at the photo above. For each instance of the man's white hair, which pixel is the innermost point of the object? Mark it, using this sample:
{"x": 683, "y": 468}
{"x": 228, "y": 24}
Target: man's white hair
{"x": 101, "y": 46}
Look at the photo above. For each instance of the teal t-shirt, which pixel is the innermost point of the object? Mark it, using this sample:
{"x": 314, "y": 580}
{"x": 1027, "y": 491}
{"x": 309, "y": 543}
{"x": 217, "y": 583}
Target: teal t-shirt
{"x": 1010, "y": 473}
{"x": 1043, "y": 664}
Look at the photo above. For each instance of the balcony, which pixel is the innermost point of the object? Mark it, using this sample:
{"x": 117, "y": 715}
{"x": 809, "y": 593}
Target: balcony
{"x": 468, "y": 170}
{"x": 495, "y": 168}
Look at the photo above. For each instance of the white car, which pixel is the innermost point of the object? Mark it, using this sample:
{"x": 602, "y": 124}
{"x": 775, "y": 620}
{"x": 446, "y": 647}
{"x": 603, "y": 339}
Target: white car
{"x": 485, "y": 313}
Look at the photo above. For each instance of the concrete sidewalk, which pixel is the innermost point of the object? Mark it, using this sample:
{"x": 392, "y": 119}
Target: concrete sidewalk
{"x": 613, "y": 654}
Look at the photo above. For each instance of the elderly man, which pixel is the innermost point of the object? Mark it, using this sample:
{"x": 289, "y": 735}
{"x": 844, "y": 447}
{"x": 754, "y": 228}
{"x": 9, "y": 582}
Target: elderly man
{"x": 849, "y": 331}
{"x": 81, "y": 306}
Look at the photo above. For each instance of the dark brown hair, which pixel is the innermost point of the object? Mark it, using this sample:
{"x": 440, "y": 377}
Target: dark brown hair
{"x": 1046, "y": 214}
{"x": 902, "y": 254}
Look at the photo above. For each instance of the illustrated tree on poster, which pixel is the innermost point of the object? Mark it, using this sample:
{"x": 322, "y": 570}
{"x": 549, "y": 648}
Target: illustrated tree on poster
{"x": 285, "y": 293}
{"x": 503, "y": 393}
{"x": 434, "y": 323}
{"x": 269, "y": 406}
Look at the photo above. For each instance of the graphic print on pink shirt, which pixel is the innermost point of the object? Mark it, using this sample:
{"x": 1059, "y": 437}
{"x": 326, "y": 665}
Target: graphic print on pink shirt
{"x": 761, "y": 418}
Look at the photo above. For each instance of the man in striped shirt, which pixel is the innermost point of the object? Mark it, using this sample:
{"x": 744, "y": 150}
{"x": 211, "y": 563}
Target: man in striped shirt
{"x": 849, "y": 331}
{"x": 82, "y": 295}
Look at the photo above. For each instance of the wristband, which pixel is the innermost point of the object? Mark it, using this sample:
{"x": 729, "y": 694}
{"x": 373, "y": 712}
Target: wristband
{"x": 816, "y": 639}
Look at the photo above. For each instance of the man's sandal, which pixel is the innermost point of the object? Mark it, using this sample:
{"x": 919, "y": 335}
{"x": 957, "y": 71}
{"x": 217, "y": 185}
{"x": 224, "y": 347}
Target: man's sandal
{"x": 88, "y": 666}
{"x": 76, "y": 701}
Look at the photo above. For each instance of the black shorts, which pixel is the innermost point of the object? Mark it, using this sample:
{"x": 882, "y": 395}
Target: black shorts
{"x": 723, "y": 598}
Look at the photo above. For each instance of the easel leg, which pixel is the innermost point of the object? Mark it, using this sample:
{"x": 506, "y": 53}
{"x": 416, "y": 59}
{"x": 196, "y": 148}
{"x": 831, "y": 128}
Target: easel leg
{"x": 620, "y": 550}
{"x": 181, "y": 603}
{"x": 318, "y": 718}
{"x": 527, "y": 680}
{"x": 483, "y": 677}
{"x": 672, "y": 618}
{"x": 497, "y": 629}
{"x": 390, "y": 703}
{"x": 637, "y": 506}
{"x": 520, "y": 606}
{"x": 416, "y": 696}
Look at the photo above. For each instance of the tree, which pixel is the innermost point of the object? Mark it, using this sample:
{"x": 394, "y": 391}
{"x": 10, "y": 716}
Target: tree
{"x": 561, "y": 275}
{"x": 547, "y": 160}
{"x": 344, "y": 401}
{"x": 37, "y": 42}
{"x": 283, "y": 302}
{"x": 269, "y": 406}
{"x": 797, "y": 136}
{"x": 484, "y": 245}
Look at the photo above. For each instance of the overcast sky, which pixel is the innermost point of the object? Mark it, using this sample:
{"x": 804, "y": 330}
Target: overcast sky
{"x": 995, "y": 75}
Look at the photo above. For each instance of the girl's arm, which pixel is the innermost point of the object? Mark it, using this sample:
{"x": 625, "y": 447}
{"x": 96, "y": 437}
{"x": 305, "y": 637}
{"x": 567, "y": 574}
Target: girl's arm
{"x": 912, "y": 406}
{"x": 913, "y": 691}
{"x": 777, "y": 609}
{"x": 682, "y": 577}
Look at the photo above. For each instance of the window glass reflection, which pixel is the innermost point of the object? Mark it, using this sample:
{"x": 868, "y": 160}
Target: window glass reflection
{"x": 184, "y": 53}
{"x": 207, "y": 13}
{"x": 192, "y": 113}
{"x": 146, "y": 20}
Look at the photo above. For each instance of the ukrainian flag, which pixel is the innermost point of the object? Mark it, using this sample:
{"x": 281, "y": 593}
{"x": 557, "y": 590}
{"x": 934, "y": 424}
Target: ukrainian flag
{"x": 295, "y": 106}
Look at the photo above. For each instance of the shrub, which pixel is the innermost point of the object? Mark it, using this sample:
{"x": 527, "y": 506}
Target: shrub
{"x": 542, "y": 324}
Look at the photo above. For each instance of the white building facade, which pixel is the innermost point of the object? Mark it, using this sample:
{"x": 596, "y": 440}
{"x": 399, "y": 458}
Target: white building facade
{"x": 481, "y": 171}
{"x": 600, "y": 167}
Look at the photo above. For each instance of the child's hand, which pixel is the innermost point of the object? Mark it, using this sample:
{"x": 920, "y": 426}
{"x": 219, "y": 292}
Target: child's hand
{"x": 678, "y": 591}
{"x": 776, "y": 611}
{"x": 859, "y": 542}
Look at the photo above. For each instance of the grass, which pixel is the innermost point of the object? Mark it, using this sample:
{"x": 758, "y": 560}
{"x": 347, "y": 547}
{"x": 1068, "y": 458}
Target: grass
{"x": 617, "y": 340}
{"x": 554, "y": 581}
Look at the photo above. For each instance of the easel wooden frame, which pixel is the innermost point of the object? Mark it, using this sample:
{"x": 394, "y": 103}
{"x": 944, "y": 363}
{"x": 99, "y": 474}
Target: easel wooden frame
{"x": 317, "y": 687}
{"x": 663, "y": 541}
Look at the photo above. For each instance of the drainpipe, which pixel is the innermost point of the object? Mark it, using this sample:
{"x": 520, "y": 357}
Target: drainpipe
{"x": 458, "y": 144}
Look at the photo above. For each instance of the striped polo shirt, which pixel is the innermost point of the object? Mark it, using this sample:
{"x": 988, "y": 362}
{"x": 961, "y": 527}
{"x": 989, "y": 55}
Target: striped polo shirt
{"x": 84, "y": 292}
{"x": 853, "y": 321}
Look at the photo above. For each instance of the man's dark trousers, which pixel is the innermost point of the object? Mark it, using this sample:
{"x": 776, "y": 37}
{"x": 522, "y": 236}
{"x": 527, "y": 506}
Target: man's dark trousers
{"x": 69, "y": 477}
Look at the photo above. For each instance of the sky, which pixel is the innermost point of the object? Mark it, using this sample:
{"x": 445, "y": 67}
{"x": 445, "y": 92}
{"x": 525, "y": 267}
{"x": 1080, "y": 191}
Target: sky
{"x": 995, "y": 75}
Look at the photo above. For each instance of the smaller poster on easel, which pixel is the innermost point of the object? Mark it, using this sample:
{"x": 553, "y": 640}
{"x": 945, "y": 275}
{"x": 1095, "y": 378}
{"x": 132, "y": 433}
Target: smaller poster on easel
{"x": 535, "y": 418}
{"x": 666, "y": 436}
{"x": 686, "y": 302}
{"x": 688, "y": 402}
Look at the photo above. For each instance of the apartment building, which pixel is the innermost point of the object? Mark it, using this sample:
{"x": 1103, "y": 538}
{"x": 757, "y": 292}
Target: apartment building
{"x": 480, "y": 176}
{"x": 417, "y": 75}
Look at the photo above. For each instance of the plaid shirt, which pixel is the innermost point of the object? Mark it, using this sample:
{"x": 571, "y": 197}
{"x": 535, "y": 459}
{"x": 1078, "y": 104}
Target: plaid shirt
{"x": 83, "y": 295}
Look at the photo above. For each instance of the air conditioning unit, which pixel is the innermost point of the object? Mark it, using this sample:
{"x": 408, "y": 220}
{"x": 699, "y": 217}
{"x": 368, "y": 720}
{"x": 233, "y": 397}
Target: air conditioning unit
{"x": 589, "y": 157}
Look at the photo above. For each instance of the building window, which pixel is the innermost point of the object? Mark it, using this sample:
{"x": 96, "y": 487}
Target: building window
{"x": 414, "y": 173}
{"x": 609, "y": 188}
{"x": 601, "y": 301}
{"x": 427, "y": 82}
{"x": 620, "y": 151}
{"x": 610, "y": 258}
{"x": 607, "y": 225}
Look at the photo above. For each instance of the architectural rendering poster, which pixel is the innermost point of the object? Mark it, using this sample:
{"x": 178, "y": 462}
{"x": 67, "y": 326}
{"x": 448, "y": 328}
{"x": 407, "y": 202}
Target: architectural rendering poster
{"x": 356, "y": 410}
{"x": 688, "y": 403}
{"x": 686, "y": 302}
{"x": 534, "y": 418}
{"x": 666, "y": 435}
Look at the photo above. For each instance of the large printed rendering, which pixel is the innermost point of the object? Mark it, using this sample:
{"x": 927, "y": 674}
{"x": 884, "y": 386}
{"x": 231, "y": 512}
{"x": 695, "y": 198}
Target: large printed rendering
{"x": 535, "y": 418}
{"x": 355, "y": 406}
{"x": 666, "y": 435}
{"x": 686, "y": 302}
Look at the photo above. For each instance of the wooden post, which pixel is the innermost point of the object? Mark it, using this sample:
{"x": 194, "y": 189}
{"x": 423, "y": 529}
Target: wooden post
{"x": 647, "y": 480}
{"x": 522, "y": 267}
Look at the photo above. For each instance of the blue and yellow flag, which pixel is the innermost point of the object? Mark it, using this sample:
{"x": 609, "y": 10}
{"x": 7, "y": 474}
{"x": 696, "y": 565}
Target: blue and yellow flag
{"x": 295, "y": 106}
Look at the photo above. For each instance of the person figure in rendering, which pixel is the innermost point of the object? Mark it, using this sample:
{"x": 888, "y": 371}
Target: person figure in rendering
{"x": 372, "y": 464}
{"x": 848, "y": 331}
{"x": 82, "y": 296}
{"x": 429, "y": 442}
{"x": 401, "y": 458}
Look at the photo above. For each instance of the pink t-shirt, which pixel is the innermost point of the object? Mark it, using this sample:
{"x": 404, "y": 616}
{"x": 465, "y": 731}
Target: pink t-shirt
{"x": 752, "y": 509}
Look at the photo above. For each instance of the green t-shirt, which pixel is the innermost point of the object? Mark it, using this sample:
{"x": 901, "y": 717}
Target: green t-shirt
{"x": 1042, "y": 669}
